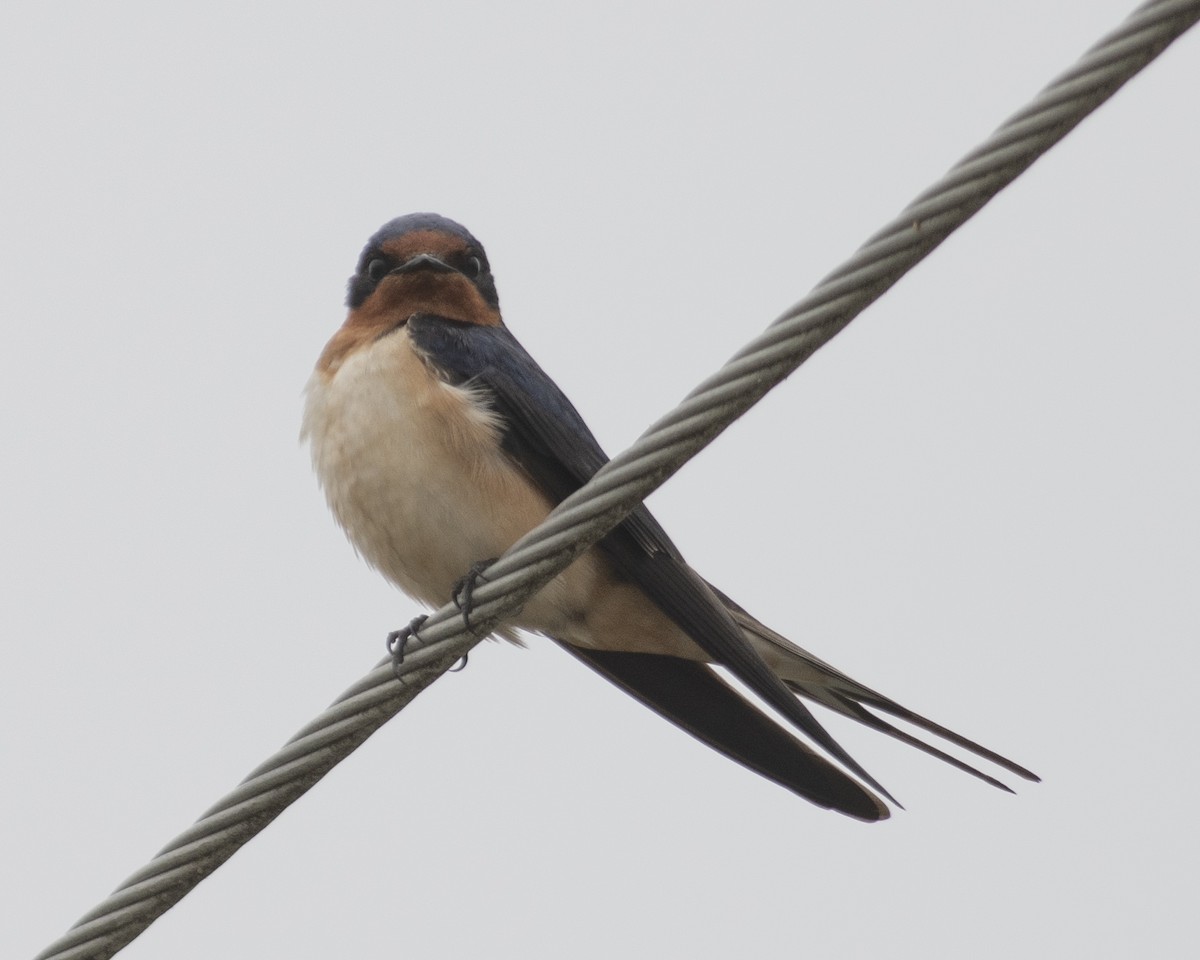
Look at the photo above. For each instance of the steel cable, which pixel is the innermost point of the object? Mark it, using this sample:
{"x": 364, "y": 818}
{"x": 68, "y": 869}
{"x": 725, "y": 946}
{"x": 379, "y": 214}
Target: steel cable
{"x": 584, "y": 517}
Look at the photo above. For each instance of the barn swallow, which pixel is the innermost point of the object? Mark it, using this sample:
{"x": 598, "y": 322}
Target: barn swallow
{"x": 439, "y": 442}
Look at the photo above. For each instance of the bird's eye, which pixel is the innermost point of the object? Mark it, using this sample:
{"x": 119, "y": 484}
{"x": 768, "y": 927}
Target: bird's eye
{"x": 473, "y": 267}
{"x": 376, "y": 269}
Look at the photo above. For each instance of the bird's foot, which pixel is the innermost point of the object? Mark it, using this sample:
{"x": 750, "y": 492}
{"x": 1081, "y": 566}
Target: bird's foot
{"x": 397, "y": 641}
{"x": 464, "y": 589}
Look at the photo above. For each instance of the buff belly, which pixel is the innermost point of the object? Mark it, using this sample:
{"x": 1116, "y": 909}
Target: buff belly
{"x": 414, "y": 473}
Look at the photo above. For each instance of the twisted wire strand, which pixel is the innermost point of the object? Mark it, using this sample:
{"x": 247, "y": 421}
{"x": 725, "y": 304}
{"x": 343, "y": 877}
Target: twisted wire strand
{"x": 584, "y": 517}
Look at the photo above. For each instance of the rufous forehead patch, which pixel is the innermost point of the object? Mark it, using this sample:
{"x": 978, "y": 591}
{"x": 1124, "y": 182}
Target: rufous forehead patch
{"x": 435, "y": 242}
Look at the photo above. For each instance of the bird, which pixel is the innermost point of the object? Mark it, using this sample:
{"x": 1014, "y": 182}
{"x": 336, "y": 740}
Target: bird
{"x": 438, "y": 442}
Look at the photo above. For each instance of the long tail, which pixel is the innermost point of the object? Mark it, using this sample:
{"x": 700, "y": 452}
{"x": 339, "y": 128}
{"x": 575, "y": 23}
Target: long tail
{"x": 817, "y": 681}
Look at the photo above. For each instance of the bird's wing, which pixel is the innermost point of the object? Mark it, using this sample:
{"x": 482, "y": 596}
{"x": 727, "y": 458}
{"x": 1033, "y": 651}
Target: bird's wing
{"x": 694, "y": 698}
{"x": 547, "y": 438}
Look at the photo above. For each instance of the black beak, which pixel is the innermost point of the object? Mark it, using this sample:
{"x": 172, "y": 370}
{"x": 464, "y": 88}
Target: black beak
{"x": 424, "y": 261}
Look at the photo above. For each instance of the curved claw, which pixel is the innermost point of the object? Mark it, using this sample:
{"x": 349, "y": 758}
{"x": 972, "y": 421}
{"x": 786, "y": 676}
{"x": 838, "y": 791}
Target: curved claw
{"x": 464, "y": 588}
{"x": 397, "y": 641}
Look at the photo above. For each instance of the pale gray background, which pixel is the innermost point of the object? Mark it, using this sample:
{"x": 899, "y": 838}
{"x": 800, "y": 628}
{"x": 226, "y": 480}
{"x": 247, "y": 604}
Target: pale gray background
{"x": 981, "y": 498}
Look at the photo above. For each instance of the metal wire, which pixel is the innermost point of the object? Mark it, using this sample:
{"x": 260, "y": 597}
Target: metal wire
{"x": 583, "y": 518}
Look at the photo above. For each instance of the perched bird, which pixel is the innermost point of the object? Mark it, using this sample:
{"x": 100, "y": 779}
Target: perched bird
{"x": 439, "y": 442}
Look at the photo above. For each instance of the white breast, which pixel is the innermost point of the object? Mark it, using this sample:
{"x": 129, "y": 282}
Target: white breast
{"x": 412, "y": 469}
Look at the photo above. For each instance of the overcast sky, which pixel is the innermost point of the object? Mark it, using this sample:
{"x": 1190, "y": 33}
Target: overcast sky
{"x": 980, "y": 498}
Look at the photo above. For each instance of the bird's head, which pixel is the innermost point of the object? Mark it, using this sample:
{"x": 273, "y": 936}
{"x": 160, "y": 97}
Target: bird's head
{"x": 421, "y": 263}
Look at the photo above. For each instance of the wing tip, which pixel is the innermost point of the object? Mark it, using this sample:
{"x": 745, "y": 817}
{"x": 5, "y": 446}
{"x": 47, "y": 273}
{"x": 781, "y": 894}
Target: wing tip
{"x": 694, "y": 697}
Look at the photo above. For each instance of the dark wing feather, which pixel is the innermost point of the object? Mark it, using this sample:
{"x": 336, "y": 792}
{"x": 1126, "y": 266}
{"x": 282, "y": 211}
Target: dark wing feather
{"x": 694, "y": 698}
{"x": 548, "y": 438}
